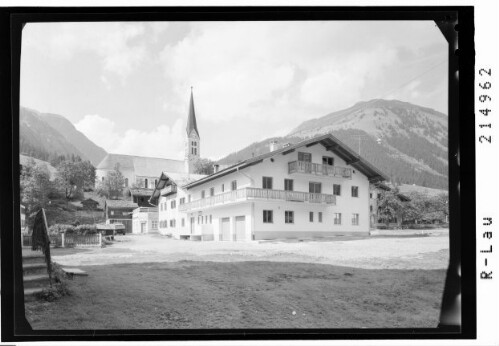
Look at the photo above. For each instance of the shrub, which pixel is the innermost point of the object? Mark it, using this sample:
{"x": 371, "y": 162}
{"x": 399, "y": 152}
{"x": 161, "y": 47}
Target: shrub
{"x": 60, "y": 228}
{"x": 86, "y": 229}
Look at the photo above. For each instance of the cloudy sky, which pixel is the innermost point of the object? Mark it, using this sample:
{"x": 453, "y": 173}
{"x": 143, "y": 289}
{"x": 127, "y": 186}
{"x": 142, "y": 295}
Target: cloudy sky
{"x": 127, "y": 85}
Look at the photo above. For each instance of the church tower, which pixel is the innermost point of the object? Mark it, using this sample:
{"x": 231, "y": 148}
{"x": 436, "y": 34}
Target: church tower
{"x": 192, "y": 144}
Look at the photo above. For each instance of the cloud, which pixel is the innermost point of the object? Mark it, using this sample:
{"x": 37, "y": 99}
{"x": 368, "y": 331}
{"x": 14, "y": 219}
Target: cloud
{"x": 245, "y": 69}
{"x": 116, "y": 44}
{"x": 162, "y": 141}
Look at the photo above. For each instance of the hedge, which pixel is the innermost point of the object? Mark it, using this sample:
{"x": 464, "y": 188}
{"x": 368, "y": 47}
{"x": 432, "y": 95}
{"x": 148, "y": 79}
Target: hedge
{"x": 70, "y": 229}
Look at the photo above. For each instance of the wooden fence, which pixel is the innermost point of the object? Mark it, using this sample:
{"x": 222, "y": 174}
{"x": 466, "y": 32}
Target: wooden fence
{"x": 69, "y": 240}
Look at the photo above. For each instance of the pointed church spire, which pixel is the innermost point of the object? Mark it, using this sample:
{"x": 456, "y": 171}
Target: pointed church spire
{"x": 191, "y": 120}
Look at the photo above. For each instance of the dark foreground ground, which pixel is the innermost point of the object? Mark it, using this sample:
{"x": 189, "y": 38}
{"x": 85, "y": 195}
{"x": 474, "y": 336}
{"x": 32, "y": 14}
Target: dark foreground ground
{"x": 264, "y": 294}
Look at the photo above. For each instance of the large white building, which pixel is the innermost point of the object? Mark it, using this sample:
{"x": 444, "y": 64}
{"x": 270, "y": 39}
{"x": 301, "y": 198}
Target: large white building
{"x": 318, "y": 187}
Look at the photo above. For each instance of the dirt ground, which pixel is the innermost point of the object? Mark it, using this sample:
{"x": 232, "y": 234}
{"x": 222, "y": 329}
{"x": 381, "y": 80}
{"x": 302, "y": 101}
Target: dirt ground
{"x": 150, "y": 282}
{"x": 409, "y": 251}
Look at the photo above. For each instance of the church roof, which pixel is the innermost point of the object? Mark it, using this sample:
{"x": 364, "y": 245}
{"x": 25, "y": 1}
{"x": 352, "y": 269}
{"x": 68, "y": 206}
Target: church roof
{"x": 142, "y": 166}
{"x": 191, "y": 119}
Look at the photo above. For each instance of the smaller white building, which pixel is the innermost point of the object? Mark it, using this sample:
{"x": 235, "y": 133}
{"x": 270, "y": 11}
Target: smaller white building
{"x": 145, "y": 220}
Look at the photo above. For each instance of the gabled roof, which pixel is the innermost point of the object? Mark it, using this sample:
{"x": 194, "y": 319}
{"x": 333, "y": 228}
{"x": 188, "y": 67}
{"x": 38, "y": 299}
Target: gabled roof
{"x": 179, "y": 179}
{"x": 89, "y": 200}
{"x": 328, "y": 141}
{"x": 191, "y": 119}
{"x": 120, "y": 204}
{"x": 141, "y": 165}
{"x": 140, "y": 191}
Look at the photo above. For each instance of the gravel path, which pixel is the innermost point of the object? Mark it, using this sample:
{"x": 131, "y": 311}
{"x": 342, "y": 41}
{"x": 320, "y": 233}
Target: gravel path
{"x": 405, "y": 252}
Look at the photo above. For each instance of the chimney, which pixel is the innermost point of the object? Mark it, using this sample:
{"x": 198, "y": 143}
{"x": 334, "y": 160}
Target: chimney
{"x": 216, "y": 167}
{"x": 273, "y": 145}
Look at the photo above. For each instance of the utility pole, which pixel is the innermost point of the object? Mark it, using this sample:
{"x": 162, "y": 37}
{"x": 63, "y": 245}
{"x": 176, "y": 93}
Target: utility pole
{"x": 360, "y": 138}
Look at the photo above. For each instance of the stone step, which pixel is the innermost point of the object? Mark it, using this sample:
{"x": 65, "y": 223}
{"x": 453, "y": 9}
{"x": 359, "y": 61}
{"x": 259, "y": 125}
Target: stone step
{"x": 34, "y": 268}
{"x": 30, "y": 293}
{"x": 32, "y": 281}
{"x": 33, "y": 259}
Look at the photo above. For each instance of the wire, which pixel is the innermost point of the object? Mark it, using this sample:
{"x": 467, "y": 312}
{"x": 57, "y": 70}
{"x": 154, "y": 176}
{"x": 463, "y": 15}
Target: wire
{"x": 412, "y": 79}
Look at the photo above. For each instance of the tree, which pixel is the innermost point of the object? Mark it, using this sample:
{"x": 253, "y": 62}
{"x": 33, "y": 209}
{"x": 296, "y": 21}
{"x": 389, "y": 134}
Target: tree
{"x": 113, "y": 184}
{"x": 35, "y": 187}
{"x": 203, "y": 166}
{"x": 89, "y": 174}
{"x": 390, "y": 206}
{"x": 70, "y": 178}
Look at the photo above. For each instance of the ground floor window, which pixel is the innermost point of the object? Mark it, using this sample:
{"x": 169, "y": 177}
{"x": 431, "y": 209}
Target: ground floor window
{"x": 289, "y": 216}
{"x": 268, "y": 216}
{"x": 337, "y": 218}
{"x": 311, "y": 216}
{"x": 154, "y": 224}
{"x": 320, "y": 216}
{"x": 355, "y": 219}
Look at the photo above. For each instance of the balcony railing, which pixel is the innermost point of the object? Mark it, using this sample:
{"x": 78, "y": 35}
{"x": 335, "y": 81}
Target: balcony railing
{"x": 168, "y": 190}
{"x": 318, "y": 169}
{"x": 255, "y": 193}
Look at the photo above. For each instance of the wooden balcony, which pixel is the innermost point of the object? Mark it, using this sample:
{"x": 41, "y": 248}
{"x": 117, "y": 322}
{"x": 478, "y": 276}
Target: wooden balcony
{"x": 168, "y": 190}
{"x": 318, "y": 169}
{"x": 250, "y": 193}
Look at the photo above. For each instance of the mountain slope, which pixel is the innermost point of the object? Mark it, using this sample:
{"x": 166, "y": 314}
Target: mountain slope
{"x": 45, "y": 135}
{"x": 91, "y": 151}
{"x": 407, "y": 142}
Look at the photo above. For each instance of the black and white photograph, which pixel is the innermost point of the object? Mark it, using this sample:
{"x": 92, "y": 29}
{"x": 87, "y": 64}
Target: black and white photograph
{"x": 226, "y": 175}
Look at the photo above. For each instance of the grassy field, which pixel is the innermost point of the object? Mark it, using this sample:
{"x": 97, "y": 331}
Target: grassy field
{"x": 251, "y": 294}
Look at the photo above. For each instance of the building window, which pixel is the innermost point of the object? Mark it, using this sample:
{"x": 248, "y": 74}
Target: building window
{"x": 155, "y": 182}
{"x": 320, "y": 216}
{"x": 371, "y": 195}
{"x": 289, "y": 216}
{"x": 288, "y": 184}
{"x": 199, "y": 220}
{"x": 202, "y": 194}
{"x": 314, "y": 187}
{"x": 206, "y": 219}
{"x": 212, "y": 191}
{"x": 145, "y": 183}
{"x": 337, "y": 218}
{"x": 336, "y": 190}
{"x": 233, "y": 185}
{"x": 311, "y": 216}
{"x": 306, "y": 157}
{"x": 355, "y": 191}
{"x": 371, "y": 208}
{"x": 183, "y": 222}
{"x": 112, "y": 212}
{"x": 223, "y": 187}
{"x": 173, "y": 204}
{"x": 268, "y": 216}
{"x": 154, "y": 224}
{"x": 326, "y": 160}
{"x": 211, "y": 219}
{"x": 182, "y": 200}
{"x": 267, "y": 183}
{"x": 355, "y": 219}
